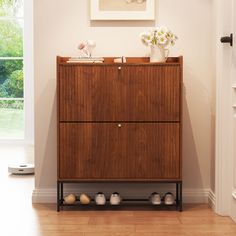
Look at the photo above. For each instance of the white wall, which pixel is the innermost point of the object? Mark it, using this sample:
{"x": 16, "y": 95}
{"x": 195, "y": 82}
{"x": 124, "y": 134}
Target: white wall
{"x": 60, "y": 25}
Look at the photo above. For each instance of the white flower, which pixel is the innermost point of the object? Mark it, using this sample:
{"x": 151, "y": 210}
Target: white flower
{"x": 145, "y": 38}
{"x": 162, "y": 31}
{"x": 159, "y": 36}
{"x": 162, "y": 40}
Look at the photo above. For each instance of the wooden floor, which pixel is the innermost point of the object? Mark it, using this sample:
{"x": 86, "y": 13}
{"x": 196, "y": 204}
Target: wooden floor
{"x": 196, "y": 220}
{"x": 19, "y": 217}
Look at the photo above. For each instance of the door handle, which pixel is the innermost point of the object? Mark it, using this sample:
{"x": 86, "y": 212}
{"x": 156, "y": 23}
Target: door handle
{"x": 227, "y": 39}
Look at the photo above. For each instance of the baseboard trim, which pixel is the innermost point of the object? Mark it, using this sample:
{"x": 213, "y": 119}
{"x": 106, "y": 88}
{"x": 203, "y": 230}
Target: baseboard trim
{"x": 195, "y": 195}
{"x": 189, "y": 195}
{"x": 44, "y": 195}
{"x": 212, "y": 200}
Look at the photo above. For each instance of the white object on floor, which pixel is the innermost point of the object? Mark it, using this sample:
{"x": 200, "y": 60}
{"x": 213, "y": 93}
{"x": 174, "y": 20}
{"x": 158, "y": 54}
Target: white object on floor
{"x": 21, "y": 169}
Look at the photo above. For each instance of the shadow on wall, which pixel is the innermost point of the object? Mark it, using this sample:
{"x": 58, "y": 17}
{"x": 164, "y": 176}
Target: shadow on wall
{"x": 213, "y": 153}
{"x": 46, "y": 163}
{"x": 126, "y": 23}
{"x": 195, "y": 102}
{"x": 191, "y": 166}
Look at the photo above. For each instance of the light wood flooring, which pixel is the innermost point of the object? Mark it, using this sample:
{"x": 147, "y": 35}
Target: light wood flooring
{"x": 196, "y": 220}
{"x": 19, "y": 217}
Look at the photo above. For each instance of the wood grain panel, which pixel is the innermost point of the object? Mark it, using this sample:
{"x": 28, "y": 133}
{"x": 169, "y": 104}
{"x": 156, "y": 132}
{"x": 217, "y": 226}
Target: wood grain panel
{"x": 153, "y": 151}
{"x": 105, "y": 151}
{"x": 150, "y": 93}
{"x": 88, "y": 93}
{"x": 145, "y": 97}
{"x": 119, "y": 93}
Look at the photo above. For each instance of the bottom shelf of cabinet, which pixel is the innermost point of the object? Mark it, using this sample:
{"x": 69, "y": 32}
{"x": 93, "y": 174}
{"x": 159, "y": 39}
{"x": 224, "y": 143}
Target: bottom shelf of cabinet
{"x": 133, "y": 204}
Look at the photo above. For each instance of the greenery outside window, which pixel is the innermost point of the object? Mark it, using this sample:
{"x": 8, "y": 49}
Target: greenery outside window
{"x": 11, "y": 70}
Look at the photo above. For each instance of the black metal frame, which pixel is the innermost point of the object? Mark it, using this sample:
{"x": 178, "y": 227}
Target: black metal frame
{"x": 178, "y": 200}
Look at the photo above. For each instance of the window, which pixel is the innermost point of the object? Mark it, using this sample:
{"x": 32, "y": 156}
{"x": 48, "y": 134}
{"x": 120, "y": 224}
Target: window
{"x": 11, "y": 70}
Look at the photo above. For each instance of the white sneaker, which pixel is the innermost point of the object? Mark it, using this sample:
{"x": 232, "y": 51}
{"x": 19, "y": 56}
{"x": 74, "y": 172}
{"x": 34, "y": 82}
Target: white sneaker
{"x": 115, "y": 199}
{"x": 100, "y": 198}
{"x": 155, "y": 198}
{"x": 169, "y": 199}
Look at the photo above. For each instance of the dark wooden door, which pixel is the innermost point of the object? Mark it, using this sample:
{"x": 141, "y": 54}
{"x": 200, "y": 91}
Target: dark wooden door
{"x": 106, "y": 151}
{"x": 89, "y": 93}
{"x": 150, "y": 93}
{"x": 119, "y": 93}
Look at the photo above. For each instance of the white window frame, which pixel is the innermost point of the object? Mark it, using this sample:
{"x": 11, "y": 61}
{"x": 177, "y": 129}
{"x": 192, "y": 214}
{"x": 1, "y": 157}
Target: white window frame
{"x": 28, "y": 72}
{"x": 28, "y": 75}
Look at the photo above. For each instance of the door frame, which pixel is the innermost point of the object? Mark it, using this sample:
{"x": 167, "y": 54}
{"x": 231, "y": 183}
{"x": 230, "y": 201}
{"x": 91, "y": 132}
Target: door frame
{"x": 224, "y": 160}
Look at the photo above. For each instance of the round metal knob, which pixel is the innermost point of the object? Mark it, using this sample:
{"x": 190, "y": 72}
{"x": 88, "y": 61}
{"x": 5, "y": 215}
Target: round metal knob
{"x": 119, "y": 125}
{"x": 119, "y": 68}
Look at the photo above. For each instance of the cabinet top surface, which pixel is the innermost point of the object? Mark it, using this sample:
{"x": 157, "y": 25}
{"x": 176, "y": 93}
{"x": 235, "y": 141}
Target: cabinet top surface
{"x": 129, "y": 61}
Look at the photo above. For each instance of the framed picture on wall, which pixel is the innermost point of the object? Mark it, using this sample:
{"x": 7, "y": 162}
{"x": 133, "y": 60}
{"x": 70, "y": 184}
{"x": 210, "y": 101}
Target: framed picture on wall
{"x": 122, "y": 9}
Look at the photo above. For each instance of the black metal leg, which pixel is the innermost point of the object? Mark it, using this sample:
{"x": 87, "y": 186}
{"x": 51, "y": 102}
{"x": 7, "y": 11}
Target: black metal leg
{"x": 58, "y": 196}
{"x": 61, "y": 197}
{"x": 181, "y": 200}
{"x": 177, "y": 196}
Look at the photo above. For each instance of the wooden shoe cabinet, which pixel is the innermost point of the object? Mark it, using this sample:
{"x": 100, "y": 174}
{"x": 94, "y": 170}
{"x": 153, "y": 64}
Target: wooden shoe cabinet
{"x": 119, "y": 122}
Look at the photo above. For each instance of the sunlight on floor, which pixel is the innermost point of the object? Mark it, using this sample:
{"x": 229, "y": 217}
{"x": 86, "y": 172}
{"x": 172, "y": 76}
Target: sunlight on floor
{"x": 17, "y": 213}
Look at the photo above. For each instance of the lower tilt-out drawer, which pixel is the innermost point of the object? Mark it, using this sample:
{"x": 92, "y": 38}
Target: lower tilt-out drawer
{"x": 119, "y": 151}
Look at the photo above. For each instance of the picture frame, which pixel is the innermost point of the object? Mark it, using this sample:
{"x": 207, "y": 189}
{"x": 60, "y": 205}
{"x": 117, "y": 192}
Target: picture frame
{"x": 122, "y": 10}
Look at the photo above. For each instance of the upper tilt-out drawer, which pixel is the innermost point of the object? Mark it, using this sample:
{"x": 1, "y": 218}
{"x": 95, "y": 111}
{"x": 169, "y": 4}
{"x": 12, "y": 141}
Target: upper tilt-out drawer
{"x": 119, "y": 92}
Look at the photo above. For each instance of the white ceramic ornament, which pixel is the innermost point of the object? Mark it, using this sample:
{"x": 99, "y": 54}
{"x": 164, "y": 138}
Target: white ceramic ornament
{"x": 90, "y": 45}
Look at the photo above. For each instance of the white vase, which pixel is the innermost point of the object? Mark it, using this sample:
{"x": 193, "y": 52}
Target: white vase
{"x": 158, "y": 54}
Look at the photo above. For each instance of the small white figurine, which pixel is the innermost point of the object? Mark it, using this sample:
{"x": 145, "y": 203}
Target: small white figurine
{"x": 87, "y": 47}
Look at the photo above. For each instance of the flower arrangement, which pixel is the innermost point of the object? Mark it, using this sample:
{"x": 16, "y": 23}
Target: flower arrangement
{"x": 160, "y": 36}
